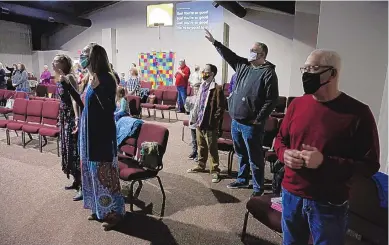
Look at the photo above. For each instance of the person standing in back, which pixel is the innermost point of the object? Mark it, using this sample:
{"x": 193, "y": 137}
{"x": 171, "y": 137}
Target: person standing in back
{"x": 182, "y": 79}
{"x": 253, "y": 98}
{"x": 20, "y": 79}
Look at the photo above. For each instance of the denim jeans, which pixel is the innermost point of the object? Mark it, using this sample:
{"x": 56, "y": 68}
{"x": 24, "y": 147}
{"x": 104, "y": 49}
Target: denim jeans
{"x": 326, "y": 222}
{"x": 194, "y": 141}
{"x": 248, "y": 147}
{"x": 181, "y": 97}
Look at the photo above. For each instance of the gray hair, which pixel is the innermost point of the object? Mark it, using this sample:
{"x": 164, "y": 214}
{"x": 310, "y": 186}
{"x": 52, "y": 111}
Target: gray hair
{"x": 328, "y": 57}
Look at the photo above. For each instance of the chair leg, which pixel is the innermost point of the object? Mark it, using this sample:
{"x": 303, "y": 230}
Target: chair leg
{"x": 163, "y": 115}
{"x": 155, "y": 114}
{"x": 176, "y": 115}
{"x": 29, "y": 136}
{"x": 23, "y": 139}
{"x": 169, "y": 115}
{"x": 182, "y": 135}
{"x": 40, "y": 143}
{"x": 138, "y": 189}
{"x": 163, "y": 197}
{"x": 246, "y": 217}
{"x": 229, "y": 167}
{"x": 148, "y": 112}
{"x": 16, "y": 132}
{"x": 132, "y": 196}
{"x": 58, "y": 146}
{"x": 8, "y": 138}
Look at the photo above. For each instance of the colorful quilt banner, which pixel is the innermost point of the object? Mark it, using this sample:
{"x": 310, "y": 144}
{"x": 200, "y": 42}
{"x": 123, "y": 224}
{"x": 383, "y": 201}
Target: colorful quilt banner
{"x": 157, "y": 67}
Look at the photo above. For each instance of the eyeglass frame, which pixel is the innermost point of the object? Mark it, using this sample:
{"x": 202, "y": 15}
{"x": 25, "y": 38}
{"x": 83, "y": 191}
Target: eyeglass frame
{"x": 309, "y": 68}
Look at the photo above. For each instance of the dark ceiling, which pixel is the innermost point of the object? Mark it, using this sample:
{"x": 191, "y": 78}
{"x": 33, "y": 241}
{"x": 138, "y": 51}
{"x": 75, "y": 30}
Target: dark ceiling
{"x": 30, "y": 12}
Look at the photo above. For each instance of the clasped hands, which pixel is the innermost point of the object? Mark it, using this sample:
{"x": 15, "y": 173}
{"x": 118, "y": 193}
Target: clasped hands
{"x": 309, "y": 157}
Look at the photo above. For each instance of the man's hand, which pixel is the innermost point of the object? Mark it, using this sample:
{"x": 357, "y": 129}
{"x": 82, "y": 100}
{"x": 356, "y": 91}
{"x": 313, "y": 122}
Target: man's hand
{"x": 292, "y": 159}
{"x": 311, "y": 156}
{"x": 209, "y": 36}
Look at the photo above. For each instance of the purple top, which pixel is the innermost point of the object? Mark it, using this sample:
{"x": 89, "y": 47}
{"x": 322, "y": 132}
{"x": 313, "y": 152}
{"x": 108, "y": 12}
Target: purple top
{"x": 45, "y": 77}
{"x": 232, "y": 83}
{"x": 202, "y": 105}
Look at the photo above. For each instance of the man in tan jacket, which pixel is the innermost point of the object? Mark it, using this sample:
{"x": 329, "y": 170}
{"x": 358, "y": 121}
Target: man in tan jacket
{"x": 207, "y": 114}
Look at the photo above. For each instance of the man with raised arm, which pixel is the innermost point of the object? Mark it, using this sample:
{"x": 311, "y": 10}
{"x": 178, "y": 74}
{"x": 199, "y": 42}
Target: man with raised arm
{"x": 251, "y": 101}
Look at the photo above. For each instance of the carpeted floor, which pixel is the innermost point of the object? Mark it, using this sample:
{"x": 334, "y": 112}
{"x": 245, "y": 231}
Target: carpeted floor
{"x": 36, "y": 210}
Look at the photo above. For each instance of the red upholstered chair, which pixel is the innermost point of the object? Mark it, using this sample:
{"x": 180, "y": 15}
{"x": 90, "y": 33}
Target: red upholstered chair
{"x": 158, "y": 100}
{"x": 49, "y": 128}
{"x": 171, "y": 87}
{"x": 33, "y": 120}
{"x": 279, "y": 110}
{"x": 225, "y": 143}
{"x": 260, "y": 209}
{"x": 130, "y": 170}
{"x": 271, "y": 130}
{"x": 134, "y": 105}
{"x": 169, "y": 101}
{"x": 18, "y": 118}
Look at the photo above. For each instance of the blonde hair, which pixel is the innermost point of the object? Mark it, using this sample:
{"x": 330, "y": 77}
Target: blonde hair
{"x": 135, "y": 71}
{"x": 65, "y": 62}
{"x": 120, "y": 93}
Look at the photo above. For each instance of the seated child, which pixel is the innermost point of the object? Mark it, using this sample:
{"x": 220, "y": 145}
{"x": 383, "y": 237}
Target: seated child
{"x": 122, "y": 107}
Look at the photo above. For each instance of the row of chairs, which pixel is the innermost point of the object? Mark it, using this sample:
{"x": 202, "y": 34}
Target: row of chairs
{"x": 34, "y": 117}
{"x": 44, "y": 90}
{"x": 165, "y": 100}
{"x": 129, "y": 160}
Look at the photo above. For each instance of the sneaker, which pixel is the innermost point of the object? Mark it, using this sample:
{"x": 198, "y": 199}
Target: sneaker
{"x": 192, "y": 156}
{"x": 196, "y": 169}
{"x": 215, "y": 178}
{"x": 237, "y": 185}
{"x": 196, "y": 159}
{"x": 257, "y": 194}
{"x": 78, "y": 196}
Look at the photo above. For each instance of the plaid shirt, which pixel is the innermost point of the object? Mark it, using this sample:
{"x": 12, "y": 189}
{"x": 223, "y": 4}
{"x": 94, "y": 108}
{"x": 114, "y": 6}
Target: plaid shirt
{"x": 202, "y": 105}
{"x": 133, "y": 84}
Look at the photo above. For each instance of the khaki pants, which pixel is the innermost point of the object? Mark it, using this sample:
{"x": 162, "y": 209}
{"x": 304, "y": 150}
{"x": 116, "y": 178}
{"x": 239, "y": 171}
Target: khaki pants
{"x": 207, "y": 141}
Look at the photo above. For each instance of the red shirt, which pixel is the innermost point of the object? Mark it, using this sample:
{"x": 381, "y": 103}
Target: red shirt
{"x": 343, "y": 130}
{"x": 182, "y": 80}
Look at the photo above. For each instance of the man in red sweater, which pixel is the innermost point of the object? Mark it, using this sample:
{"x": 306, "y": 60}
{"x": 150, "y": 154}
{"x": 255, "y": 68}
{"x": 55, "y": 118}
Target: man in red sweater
{"x": 325, "y": 138}
{"x": 182, "y": 77}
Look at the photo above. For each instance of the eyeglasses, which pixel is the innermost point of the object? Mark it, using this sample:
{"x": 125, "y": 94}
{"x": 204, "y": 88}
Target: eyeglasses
{"x": 313, "y": 69}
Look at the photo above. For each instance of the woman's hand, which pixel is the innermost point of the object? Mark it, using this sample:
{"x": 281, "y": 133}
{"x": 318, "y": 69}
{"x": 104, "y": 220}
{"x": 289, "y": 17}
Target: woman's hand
{"x": 95, "y": 81}
{"x": 62, "y": 77}
{"x": 75, "y": 129}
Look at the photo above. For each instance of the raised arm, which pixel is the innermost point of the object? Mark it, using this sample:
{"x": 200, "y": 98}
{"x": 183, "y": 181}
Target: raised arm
{"x": 232, "y": 59}
{"x": 271, "y": 96}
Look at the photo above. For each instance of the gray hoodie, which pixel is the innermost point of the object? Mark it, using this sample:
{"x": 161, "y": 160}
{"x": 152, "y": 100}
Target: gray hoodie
{"x": 255, "y": 92}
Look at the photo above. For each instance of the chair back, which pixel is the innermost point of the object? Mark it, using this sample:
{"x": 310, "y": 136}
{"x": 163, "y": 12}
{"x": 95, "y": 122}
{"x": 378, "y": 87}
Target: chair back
{"x": 152, "y": 133}
{"x": 41, "y": 90}
{"x": 171, "y": 87}
{"x": 20, "y": 110}
{"x": 289, "y": 100}
{"x": 271, "y": 130}
{"x": 2, "y": 92}
{"x": 134, "y": 104}
{"x": 50, "y": 113}
{"x": 281, "y": 104}
{"x": 158, "y": 96}
{"x": 226, "y": 126}
{"x": 129, "y": 147}
{"x": 52, "y": 89}
{"x": 21, "y": 95}
{"x": 9, "y": 94}
{"x": 144, "y": 84}
{"x": 170, "y": 97}
{"x": 34, "y": 111}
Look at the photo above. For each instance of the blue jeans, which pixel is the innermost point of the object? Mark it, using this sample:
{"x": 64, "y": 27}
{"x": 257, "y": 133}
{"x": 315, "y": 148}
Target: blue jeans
{"x": 301, "y": 217}
{"x": 181, "y": 97}
{"x": 248, "y": 147}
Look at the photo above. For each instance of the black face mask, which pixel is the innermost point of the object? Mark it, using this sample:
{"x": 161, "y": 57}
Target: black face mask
{"x": 311, "y": 81}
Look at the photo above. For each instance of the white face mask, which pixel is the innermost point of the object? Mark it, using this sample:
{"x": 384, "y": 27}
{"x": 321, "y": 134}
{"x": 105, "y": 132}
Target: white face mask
{"x": 252, "y": 56}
